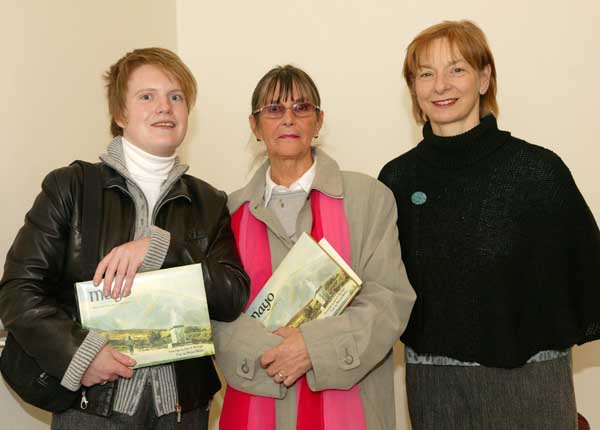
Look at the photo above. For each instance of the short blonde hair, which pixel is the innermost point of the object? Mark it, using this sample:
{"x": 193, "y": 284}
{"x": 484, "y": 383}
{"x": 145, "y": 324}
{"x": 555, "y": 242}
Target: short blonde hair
{"x": 118, "y": 74}
{"x": 464, "y": 37}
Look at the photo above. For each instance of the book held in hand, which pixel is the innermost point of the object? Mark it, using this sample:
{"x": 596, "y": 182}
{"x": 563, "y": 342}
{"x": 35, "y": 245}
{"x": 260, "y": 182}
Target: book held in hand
{"x": 311, "y": 282}
{"x": 164, "y": 319}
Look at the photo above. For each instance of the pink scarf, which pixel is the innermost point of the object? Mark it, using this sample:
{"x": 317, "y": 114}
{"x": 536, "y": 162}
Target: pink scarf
{"x": 320, "y": 410}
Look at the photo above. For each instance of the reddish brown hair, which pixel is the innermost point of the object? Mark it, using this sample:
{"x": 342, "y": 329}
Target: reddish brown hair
{"x": 464, "y": 37}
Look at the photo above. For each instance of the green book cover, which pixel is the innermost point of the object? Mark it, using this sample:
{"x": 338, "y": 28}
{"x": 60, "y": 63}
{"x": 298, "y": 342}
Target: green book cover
{"x": 164, "y": 319}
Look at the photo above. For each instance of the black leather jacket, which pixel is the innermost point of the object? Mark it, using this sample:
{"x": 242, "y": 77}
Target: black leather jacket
{"x": 37, "y": 300}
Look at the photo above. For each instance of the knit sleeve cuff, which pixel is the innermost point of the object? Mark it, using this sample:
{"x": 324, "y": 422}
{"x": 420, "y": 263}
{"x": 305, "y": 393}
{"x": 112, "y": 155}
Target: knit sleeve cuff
{"x": 89, "y": 348}
{"x": 159, "y": 245}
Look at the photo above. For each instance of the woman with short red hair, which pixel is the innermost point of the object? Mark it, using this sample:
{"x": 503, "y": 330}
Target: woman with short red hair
{"x": 500, "y": 246}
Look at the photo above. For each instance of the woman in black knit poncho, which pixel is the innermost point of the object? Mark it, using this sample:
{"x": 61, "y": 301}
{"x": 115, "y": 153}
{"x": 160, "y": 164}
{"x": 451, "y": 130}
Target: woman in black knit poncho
{"x": 500, "y": 246}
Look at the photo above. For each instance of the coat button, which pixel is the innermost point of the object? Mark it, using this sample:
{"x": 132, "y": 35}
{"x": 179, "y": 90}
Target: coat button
{"x": 245, "y": 367}
{"x": 349, "y": 359}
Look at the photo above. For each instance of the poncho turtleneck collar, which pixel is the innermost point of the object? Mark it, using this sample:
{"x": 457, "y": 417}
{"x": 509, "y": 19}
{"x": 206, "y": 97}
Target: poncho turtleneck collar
{"x": 464, "y": 149}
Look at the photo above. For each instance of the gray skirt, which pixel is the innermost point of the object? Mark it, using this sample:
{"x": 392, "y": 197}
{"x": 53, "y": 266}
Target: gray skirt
{"x": 535, "y": 396}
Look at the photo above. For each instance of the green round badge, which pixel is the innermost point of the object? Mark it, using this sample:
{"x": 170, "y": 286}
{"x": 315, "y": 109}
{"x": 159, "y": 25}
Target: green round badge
{"x": 418, "y": 198}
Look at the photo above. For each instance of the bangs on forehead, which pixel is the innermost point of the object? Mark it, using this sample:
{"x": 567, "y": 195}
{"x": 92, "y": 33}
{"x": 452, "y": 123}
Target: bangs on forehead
{"x": 281, "y": 84}
{"x": 461, "y": 46}
{"x": 425, "y": 51}
{"x": 281, "y": 89}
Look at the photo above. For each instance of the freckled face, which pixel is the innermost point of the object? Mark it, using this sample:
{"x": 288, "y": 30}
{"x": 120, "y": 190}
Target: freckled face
{"x": 448, "y": 89}
{"x": 156, "y": 112}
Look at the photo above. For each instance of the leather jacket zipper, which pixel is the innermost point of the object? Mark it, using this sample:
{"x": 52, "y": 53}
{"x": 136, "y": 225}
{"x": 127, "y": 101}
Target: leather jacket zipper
{"x": 159, "y": 207}
{"x": 84, "y": 401}
{"x": 128, "y": 194}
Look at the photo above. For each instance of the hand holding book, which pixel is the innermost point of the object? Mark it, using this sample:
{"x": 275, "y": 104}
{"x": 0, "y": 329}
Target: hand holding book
{"x": 289, "y": 360}
{"x": 126, "y": 258}
{"x": 108, "y": 365}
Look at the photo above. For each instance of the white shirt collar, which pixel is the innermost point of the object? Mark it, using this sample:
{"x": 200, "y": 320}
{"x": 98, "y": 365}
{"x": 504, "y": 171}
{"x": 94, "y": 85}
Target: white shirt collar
{"x": 303, "y": 183}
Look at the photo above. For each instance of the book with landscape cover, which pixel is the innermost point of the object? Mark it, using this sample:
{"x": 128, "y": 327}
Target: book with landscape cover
{"x": 164, "y": 319}
{"x": 311, "y": 282}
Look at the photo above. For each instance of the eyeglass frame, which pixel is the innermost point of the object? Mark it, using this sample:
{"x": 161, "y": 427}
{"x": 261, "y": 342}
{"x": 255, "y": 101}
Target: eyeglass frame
{"x": 317, "y": 108}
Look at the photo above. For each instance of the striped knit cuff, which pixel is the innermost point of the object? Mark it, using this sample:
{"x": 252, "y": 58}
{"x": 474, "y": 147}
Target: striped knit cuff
{"x": 89, "y": 348}
{"x": 159, "y": 245}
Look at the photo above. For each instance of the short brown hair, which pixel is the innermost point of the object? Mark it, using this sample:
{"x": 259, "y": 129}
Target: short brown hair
{"x": 117, "y": 77}
{"x": 285, "y": 78}
{"x": 470, "y": 41}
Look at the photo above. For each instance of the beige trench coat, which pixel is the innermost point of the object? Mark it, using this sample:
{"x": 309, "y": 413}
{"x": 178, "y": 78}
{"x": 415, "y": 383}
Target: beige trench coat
{"x": 353, "y": 348}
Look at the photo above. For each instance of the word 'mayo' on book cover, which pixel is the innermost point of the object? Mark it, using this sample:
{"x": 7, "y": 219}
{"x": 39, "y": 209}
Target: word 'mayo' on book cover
{"x": 311, "y": 282}
{"x": 164, "y": 319}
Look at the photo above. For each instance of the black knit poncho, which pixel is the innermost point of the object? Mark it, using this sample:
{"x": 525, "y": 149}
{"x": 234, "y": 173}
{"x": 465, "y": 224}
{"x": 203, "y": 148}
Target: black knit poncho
{"x": 499, "y": 245}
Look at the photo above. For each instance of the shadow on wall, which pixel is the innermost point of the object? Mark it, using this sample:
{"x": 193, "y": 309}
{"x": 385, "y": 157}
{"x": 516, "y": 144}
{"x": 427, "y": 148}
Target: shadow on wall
{"x": 19, "y": 415}
{"x": 586, "y": 356}
{"x": 416, "y": 129}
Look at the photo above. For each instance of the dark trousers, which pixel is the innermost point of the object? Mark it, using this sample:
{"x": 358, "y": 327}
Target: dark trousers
{"x": 144, "y": 419}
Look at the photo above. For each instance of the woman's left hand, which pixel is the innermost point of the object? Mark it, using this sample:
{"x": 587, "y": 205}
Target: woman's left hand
{"x": 289, "y": 360}
{"x": 121, "y": 264}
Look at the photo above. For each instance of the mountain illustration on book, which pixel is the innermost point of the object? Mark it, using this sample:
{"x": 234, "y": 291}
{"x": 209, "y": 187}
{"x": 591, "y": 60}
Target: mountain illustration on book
{"x": 165, "y": 318}
{"x": 311, "y": 282}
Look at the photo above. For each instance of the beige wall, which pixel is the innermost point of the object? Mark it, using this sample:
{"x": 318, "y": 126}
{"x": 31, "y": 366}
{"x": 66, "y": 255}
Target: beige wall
{"x": 54, "y": 111}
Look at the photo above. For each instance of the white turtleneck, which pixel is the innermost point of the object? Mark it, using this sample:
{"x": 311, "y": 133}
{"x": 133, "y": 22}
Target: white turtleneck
{"x": 149, "y": 171}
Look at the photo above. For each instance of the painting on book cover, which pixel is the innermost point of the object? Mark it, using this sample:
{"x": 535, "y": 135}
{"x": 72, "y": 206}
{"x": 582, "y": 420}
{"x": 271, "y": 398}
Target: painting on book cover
{"x": 165, "y": 318}
{"x": 309, "y": 283}
{"x": 330, "y": 299}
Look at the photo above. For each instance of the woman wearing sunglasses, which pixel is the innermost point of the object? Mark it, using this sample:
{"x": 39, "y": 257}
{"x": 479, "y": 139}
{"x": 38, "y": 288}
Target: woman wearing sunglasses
{"x": 500, "y": 246}
{"x": 332, "y": 373}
